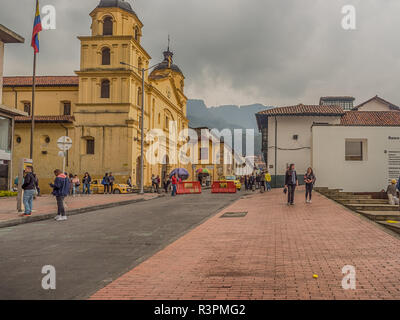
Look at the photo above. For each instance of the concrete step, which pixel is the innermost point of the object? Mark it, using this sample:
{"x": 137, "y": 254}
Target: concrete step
{"x": 392, "y": 226}
{"x": 372, "y": 207}
{"x": 362, "y": 201}
{"x": 348, "y": 196}
{"x": 381, "y": 215}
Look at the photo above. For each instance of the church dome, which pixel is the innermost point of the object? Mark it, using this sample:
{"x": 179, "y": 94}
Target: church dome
{"x": 166, "y": 63}
{"x": 116, "y": 4}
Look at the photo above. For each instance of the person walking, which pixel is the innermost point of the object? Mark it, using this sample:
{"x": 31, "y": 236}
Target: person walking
{"x": 86, "y": 183}
{"x": 129, "y": 182}
{"x": 111, "y": 179}
{"x": 28, "y": 186}
{"x": 158, "y": 180}
{"x": 291, "y": 182}
{"x": 258, "y": 181}
{"x": 268, "y": 180}
{"x": 174, "y": 182}
{"x": 154, "y": 183}
{"x": 61, "y": 188}
{"x": 70, "y": 177}
{"x": 75, "y": 185}
{"x": 262, "y": 182}
{"x": 309, "y": 179}
{"x": 106, "y": 183}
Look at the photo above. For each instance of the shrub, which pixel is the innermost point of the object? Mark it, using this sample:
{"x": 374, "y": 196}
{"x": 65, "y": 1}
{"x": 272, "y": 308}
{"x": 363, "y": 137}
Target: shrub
{"x": 8, "y": 194}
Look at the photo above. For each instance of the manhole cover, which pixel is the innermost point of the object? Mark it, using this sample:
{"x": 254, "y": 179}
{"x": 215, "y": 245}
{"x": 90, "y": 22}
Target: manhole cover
{"x": 234, "y": 215}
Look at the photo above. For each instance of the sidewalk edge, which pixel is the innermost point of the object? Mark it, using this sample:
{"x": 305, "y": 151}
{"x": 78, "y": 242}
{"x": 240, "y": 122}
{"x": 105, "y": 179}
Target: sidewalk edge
{"x": 24, "y": 220}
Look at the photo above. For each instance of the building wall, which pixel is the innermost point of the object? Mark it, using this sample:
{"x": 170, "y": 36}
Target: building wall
{"x": 112, "y": 122}
{"x": 44, "y": 164}
{"x": 1, "y": 69}
{"x": 374, "y": 105}
{"x": 290, "y": 150}
{"x": 371, "y": 174}
{"x": 48, "y": 100}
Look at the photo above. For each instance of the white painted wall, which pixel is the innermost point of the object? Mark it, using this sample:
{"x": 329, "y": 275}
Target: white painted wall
{"x": 370, "y": 175}
{"x": 374, "y": 105}
{"x": 1, "y": 70}
{"x": 287, "y": 127}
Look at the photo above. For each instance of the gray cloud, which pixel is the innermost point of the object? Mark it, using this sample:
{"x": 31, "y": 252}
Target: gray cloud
{"x": 239, "y": 52}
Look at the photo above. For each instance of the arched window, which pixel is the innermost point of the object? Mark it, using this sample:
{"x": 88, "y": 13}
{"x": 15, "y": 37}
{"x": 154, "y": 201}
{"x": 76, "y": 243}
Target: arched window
{"x": 105, "y": 89}
{"x": 108, "y": 26}
{"x": 139, "y": 96}
{"x": 136, "y": 33}
{"x": 105, "y": 56}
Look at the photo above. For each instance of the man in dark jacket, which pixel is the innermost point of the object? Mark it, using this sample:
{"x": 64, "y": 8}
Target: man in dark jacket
{"x": 60, "y": 191}
{"x": 29, "y": 186}
{"x": 291, "y": 182}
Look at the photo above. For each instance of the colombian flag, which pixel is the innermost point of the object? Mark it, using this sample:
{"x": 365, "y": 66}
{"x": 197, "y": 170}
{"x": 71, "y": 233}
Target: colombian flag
{"x": 37, "y": 27}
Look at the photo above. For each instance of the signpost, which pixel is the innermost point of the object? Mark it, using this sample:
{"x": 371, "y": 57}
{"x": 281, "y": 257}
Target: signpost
{"x": 64, "y": 144}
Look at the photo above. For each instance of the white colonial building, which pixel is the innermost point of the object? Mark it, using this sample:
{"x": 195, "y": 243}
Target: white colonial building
{"x": 356, "y": 150}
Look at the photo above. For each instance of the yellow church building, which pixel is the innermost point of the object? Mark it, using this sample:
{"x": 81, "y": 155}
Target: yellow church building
{"x": 100, "y": 107}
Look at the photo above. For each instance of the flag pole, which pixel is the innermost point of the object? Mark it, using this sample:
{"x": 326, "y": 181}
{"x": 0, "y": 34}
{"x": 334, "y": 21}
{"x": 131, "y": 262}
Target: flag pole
{"x": 33, "y": 104}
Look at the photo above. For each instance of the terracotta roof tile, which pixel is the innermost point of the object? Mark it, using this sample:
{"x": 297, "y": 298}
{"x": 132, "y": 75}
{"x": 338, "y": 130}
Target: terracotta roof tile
{"x": 41, "y": 81}
{"x": 306, "y": 110}
{"x": 47, "y": 119}
{"x": 371, "y": 118}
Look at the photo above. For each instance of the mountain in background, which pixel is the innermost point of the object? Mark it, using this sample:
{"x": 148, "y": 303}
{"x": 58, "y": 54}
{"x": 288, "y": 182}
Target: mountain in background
{"x": 226, "y": 117}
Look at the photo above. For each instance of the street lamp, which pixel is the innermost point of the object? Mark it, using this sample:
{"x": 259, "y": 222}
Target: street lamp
{"x": 143, "y": 70}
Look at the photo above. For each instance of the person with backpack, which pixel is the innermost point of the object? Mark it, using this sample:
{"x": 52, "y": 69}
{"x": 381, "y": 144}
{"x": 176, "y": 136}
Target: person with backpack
{"x": 86, "y": 183}
{"x": 106, "y": 183}
{"x": 309, "y": 179}
{"x": 61, "y": 188}
{"x": 111, "y": 179}
{"x": 29, "y": 187}
{"x": 291, "y": 182}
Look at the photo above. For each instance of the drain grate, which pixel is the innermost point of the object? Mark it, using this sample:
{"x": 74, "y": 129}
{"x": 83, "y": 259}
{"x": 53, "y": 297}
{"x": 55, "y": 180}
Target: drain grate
{"x": 234, "y": 215}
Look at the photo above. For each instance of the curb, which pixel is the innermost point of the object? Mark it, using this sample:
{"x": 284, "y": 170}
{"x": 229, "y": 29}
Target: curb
{"x": 24, "y": 220}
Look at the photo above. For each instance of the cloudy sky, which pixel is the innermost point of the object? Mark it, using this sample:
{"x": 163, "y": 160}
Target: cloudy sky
{"x": 274, "y": 52}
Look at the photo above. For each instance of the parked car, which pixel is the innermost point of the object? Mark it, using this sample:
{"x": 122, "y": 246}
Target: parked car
{"x": 97, "y": 187}
{"x": 235, "y": 180}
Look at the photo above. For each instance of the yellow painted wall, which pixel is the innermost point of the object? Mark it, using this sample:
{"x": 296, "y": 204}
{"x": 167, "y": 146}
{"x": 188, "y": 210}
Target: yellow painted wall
{"x": 112, "y": 122}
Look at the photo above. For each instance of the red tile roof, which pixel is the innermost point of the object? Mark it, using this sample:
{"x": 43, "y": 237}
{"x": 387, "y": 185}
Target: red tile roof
{"x": 304, "y": 110}
{"x": 371, "y": 118}
{"x": 47, "y": 119}
{"x": 41, "y": 81}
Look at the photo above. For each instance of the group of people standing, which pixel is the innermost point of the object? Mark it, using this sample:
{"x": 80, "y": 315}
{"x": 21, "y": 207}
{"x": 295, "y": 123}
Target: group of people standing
{"x": 260, "y": 181}
{"x": 75, "y": 184}
{"x": 291, "y": 182}
{"x": 108, "y": 183}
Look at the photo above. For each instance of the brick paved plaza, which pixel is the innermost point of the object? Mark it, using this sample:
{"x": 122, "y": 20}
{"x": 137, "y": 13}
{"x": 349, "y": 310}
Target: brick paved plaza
{"x": 272, "y": 253}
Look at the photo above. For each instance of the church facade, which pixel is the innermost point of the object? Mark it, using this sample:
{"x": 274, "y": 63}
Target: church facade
{"x": 100, "y": 107}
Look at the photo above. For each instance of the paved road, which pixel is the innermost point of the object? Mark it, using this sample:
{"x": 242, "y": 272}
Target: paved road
{"x": 93, "y": 249}
{"x": 271, "y": 253}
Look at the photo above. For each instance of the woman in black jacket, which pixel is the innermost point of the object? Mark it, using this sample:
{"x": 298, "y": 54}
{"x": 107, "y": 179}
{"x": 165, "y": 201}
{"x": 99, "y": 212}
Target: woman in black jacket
{"x": 291, "y": 182}
{"x": 309, "y": 179}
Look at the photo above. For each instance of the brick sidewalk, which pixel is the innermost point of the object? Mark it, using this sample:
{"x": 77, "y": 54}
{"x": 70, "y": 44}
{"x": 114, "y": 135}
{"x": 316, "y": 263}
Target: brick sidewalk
{"x": 46, "y": 204}
{"x": 272, "y": 253}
